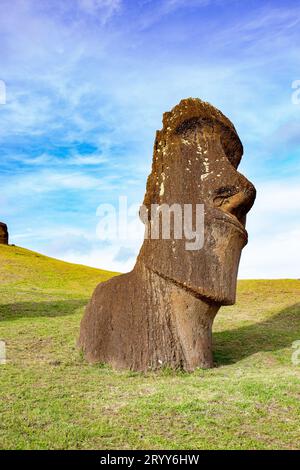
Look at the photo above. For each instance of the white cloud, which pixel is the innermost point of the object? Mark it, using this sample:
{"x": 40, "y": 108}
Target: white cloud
{"x": 274, "y": 232}
{"x": 279, "y": 198}
{"x": 271, "y": 256}
{"x": 104, "y": 9}
{"x": 171, "y": 5}
{"x": 47, "y": 181}
{"x": 86, "y": 248}
{"x": 100, "y": 258}
{"x": 49, "y": 160}
{"x": 87, "y": 160}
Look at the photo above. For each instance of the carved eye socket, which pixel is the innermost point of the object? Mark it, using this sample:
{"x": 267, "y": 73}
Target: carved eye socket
{"x": 223, "y": 194}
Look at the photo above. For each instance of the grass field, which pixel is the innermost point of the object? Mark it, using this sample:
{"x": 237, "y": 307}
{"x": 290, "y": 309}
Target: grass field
{"x": 52, "y": 399}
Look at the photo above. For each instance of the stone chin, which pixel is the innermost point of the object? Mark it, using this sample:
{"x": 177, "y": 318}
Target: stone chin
{"x": 209, "y": 273}
{"x": 225, "y": 237}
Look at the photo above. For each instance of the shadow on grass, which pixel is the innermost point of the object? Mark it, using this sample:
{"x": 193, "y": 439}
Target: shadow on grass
{"x": 55, "y": 308}
{"x": 277, "y": 332}
{"x": 230, "y": 346}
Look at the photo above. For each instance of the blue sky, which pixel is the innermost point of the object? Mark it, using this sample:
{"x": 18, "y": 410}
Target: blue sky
{"x": 87, "y": 82}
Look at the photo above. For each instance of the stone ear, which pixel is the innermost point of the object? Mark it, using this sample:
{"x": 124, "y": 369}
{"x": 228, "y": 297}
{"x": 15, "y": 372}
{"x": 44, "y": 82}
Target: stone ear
{"x": 232, "y": 146}
{"x": 150, "y": 197}
{"x": 151, "y": 194}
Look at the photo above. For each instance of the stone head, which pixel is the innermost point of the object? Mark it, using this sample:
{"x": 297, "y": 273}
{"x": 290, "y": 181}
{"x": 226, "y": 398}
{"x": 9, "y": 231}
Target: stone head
{"x": 196, "y": 155}
{"x": 3, "y": 234}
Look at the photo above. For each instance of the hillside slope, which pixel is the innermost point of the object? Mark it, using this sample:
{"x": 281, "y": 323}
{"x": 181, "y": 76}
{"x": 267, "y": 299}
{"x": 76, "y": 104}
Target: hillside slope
{"x": 25, "y": 269}
{"x": 50, "y": 398}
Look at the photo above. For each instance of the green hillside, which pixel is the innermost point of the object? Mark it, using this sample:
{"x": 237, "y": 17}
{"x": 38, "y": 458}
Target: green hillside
{"x": 52, "y": 399}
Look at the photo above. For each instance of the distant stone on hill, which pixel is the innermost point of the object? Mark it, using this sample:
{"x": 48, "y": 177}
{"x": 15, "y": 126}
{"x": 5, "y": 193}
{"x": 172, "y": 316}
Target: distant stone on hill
{"x": 3, "y": 234}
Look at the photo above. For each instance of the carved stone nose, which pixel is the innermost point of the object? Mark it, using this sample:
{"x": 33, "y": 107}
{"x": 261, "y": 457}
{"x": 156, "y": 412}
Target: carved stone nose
{"x": 236, "y": 200}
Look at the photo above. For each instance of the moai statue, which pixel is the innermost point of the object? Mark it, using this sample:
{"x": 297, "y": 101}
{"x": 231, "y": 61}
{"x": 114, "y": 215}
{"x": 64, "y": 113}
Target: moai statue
{"x": 161, "y": 313}
{"x": 3, "y": 234}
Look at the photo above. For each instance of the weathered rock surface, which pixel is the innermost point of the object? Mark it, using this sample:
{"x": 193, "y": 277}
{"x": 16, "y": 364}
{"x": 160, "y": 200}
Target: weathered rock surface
{"x": 161, "y": 314}
{"x": 3, "y": 234}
